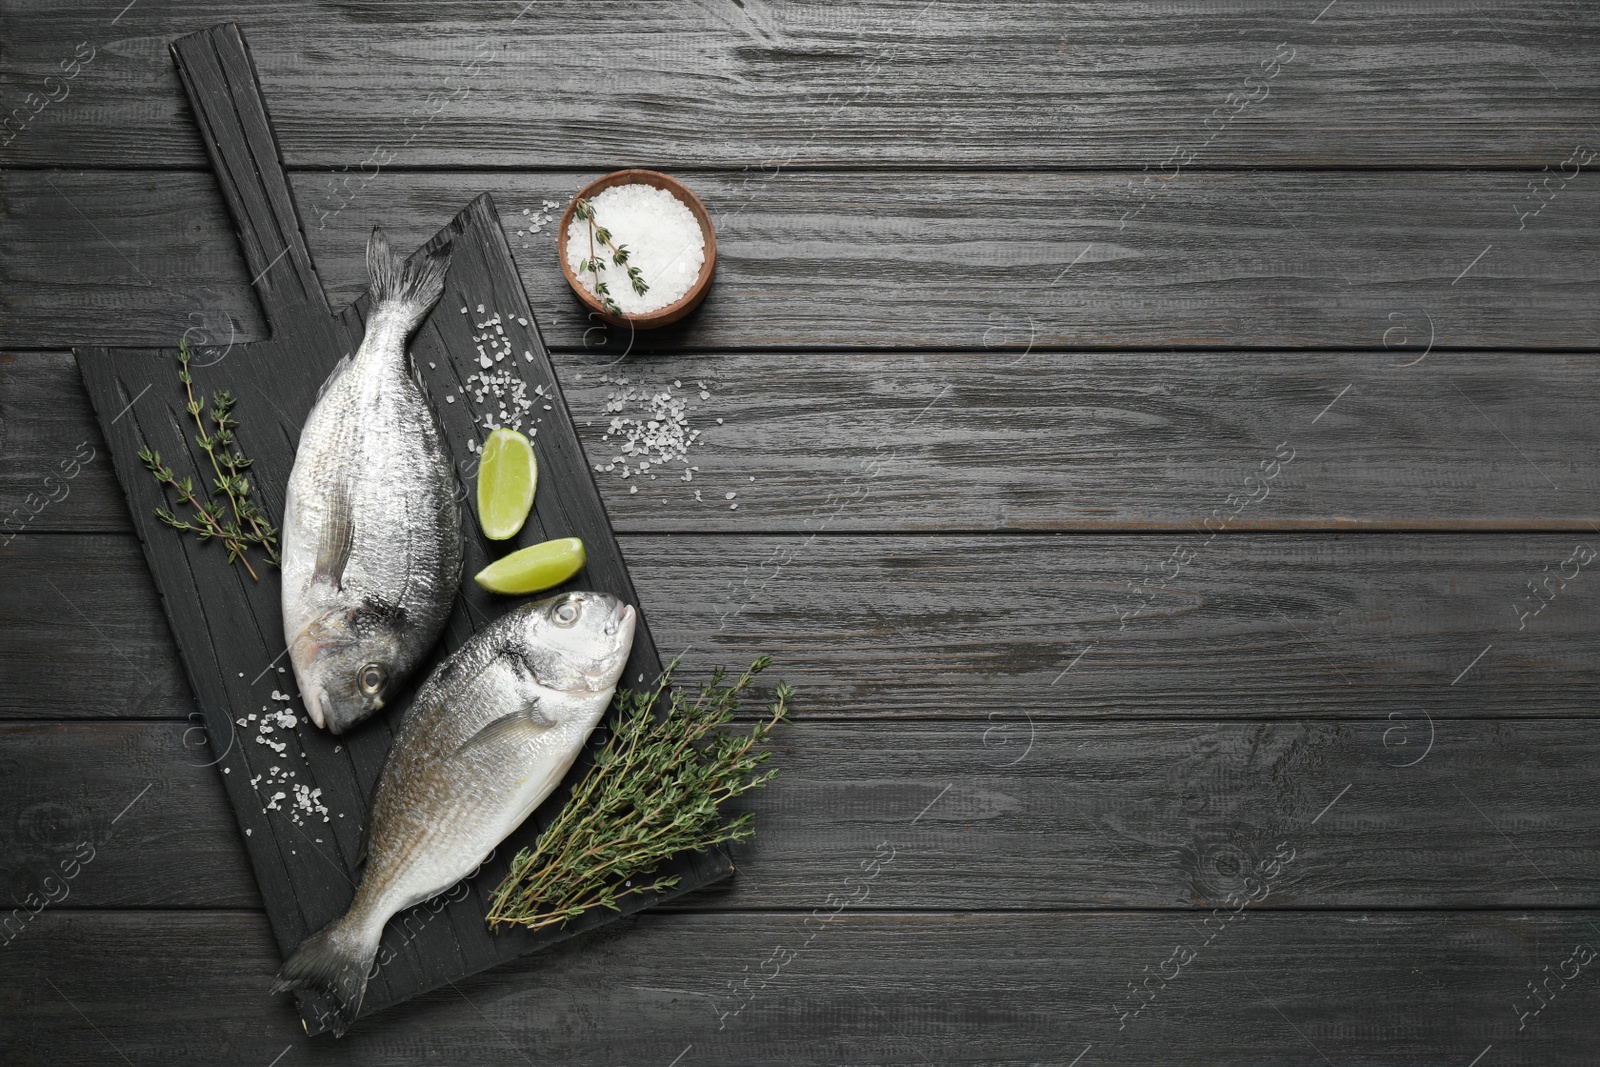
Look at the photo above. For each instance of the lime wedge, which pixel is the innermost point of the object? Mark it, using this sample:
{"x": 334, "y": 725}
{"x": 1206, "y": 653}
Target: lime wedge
{"x": 536, "y": 567}
{"x": 507, "y": 477}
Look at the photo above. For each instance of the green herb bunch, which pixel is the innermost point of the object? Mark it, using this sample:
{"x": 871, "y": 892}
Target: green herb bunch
{"x": 619, "y": 255}
{"x": 241, "y": 522}
{"x": 653, "y": 793}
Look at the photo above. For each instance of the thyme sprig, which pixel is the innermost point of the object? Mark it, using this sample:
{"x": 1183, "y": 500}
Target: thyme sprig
{"x": 248, "y": 524}
{"x": 654, "y": 792}
{"x": 619, "y": 256}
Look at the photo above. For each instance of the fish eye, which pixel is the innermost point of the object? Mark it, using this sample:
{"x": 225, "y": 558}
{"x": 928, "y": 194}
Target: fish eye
{"x": 371, "y": 679}
{"x": 566, "y": 613}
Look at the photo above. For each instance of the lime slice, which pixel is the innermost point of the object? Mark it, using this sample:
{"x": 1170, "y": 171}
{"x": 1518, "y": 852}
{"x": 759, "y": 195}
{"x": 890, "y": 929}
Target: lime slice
{"x": 536, "y": 567}
{"x": 507, "y": 477}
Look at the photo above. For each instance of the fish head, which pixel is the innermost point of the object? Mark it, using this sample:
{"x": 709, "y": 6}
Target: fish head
{"x": 348, "y": 662}
{"x": 579, "y": 642}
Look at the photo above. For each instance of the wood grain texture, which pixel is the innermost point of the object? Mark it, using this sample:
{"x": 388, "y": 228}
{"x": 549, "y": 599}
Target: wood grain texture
{"x": 1268, "y": 260}
{"x": 1370, "y": 988}
{"x": 1041, "y": 816}
{"x": 1255, "y": 627}
{"x": 1015, "y": 83}
{"x": 919, "y": 207}
{"x": 144, "y": 796}
{"x": 1087, "y": 442}
{"x": 166, "y": 237}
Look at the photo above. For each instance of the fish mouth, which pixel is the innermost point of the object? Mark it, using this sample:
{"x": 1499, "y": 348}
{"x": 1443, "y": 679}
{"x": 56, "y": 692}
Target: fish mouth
{"x": 316, "y": 703}
{"x": 604, "y": 671}
{"x": 623, "y": 616}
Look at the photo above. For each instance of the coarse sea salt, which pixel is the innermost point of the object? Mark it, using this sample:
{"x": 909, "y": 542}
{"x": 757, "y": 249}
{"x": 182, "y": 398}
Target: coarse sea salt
{"x": 306, "y": 802}
{"x": 497, "y": 389}
{"x": 654, "y": 434}
{"x": 663, "y": 239}
{"x": 537, "y": 221}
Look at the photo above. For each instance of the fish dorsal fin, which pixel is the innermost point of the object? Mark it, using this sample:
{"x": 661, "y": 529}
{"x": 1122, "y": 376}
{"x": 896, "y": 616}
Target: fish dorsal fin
{"x": 336, "y": 540}
{"x": 524, "y": 724}
{"x": 327, "y": 383}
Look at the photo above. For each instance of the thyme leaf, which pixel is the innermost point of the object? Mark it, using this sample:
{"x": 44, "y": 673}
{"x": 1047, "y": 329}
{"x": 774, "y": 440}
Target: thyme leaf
{"x": 655, "y": 791}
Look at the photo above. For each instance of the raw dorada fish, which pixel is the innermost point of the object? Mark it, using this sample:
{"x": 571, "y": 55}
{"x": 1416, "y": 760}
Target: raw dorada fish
{"x": 488, "y": 737}
{"x": 372, "y": 522}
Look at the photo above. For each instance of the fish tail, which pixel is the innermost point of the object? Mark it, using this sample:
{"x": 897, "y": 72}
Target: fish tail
{"x": 408, "y": 286}
{"x": 336, "y": 961}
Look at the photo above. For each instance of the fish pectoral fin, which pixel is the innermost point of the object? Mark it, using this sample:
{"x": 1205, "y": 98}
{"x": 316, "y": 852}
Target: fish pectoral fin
{"x": 520, "y": 726}
{"x": 336, "y": 541}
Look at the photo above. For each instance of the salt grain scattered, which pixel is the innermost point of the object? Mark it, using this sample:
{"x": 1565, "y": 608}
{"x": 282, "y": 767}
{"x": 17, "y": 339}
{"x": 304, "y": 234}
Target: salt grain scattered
{"x": 502, "y": 396}
{"x": 536, "y": 222}
{"x": 649, "y": 428}
{"x": 307, "y": 801}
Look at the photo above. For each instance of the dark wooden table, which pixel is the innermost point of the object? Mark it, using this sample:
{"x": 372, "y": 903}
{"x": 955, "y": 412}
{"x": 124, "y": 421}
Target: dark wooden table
{"x": 1166, "y": 461}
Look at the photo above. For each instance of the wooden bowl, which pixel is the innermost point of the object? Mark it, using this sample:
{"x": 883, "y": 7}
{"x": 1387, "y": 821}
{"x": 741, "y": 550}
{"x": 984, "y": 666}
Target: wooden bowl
{"x": 684, "y": 304}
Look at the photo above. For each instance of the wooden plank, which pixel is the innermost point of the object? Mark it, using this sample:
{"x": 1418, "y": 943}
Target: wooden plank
{"x": 53, "y": 450}
{"x": 229, "y": 627}
{"x": 1254, "y": 627}
{"x": 1049, "y": 815}
{"x": 1014, "y": 83}
{"x": 147, "y": 799}
{"x": 1372, "y": 988}
{"x": 177, "y": 272}
{"x": 1335, "y": 259}
{"x": 942, "y": 441}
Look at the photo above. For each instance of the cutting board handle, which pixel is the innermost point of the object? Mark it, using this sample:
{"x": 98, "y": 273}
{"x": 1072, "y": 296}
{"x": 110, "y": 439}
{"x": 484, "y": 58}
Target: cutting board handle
{"x": 225, "y": 93}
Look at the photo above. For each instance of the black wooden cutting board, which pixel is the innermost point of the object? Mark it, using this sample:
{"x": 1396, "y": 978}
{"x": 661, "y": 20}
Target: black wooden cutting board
{"x": 228, "y": 626}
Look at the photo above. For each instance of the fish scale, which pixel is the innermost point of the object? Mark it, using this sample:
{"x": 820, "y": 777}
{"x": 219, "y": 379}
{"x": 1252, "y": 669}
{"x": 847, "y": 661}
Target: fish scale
{"x": 372, "y": 542}
{"x": 488, "y": 737}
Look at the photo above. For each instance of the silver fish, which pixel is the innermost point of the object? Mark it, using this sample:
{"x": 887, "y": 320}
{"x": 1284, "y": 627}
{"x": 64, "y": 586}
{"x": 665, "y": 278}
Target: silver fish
{"x": 488, "y": 737}
{"x": 372, "y": 523}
